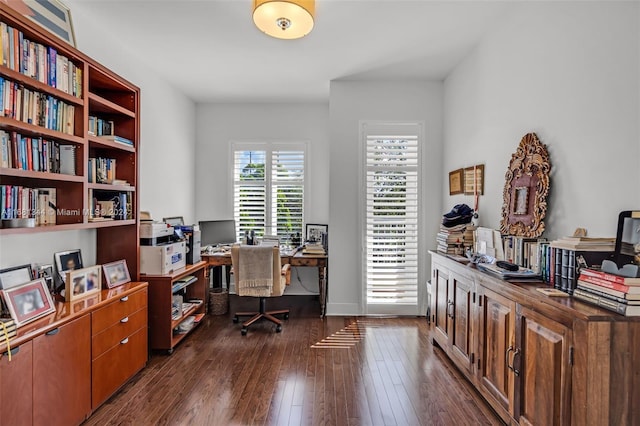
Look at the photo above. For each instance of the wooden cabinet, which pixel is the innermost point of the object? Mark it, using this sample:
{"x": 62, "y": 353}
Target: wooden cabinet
{"x": 16, "y": 402}
{"x": 539, "y": 360}
{"x": 454, "y": 320}
{"x": 62, "y": 374}
{"x": 119, "y": 343}
{"x": 162, "y": 288}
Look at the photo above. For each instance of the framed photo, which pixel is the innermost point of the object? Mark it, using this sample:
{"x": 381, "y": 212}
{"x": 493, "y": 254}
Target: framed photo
{"x": 67, "y": 261}
{"x": 116, "y": 273}
{"x": 474, "y": 177}
{"x": 52, "y": 15}
{"x": 456, "y": 182}
{"x": 29, "y": 301}
{"x": 84, "y": 282}
{"x": 314, "y": 231}
{"x": 14, "y": 276}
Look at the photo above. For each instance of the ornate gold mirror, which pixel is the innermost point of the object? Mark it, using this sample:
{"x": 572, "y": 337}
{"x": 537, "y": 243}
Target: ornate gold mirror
{"x": 526, "y": 189}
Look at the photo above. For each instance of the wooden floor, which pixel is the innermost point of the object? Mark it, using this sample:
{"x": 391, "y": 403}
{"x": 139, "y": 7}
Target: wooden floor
{"x": 382, "y": 372}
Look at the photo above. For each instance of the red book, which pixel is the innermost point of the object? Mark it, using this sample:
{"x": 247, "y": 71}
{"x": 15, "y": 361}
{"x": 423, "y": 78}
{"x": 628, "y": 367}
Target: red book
{"x": 611, "y": 277}
{"x": 609, "y": 284}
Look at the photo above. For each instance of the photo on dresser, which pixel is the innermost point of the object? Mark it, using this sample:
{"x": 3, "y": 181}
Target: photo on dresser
{"x": 116, "y": 273}
{"x": 84, "y": 282}
{"x": 29, "y": 301}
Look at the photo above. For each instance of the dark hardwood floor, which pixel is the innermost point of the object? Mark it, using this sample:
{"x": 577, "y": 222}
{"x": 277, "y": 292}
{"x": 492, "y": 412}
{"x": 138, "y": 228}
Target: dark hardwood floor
{"x": 368, "y": 371}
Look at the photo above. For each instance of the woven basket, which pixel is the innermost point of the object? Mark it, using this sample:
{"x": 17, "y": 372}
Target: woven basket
{"x": 218, "y": 301}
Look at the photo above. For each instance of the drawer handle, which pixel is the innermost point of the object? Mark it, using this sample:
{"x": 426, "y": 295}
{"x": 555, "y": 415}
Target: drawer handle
{"x": 52, "y": 332}
{"x": 13, "y": 351}
{"x": 125, "y": 319}
{"x": 125, "y": 341}
{"x": 124, "y": 299}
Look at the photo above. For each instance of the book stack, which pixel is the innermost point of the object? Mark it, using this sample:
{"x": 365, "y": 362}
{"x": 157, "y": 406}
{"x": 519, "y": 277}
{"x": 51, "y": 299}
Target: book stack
{"x": 7, "y": 329}
{"x": 585, "y": 243}
{"x": 455, "y": 240}
{"x": 613, "y": 292}
{"x": 313, "y": 248}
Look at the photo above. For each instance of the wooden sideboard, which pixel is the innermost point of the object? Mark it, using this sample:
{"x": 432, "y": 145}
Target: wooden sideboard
{"x": 537, "y": 360}
{"x": 64, "y": 365}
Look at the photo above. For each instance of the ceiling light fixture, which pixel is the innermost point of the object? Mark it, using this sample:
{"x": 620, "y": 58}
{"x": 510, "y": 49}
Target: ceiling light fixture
{"x": 286, "y": 19}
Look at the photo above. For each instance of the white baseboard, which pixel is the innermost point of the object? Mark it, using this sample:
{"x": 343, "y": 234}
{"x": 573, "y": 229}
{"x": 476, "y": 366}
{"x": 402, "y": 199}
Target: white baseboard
{"x": 343, "y": 309}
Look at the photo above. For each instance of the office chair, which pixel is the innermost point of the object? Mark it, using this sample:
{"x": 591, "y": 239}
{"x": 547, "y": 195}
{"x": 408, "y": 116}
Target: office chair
{"x": 258, "y": 272}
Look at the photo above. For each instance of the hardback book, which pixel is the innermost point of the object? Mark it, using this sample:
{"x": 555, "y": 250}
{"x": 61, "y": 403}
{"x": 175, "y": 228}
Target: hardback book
{"x": 68, "y": 159}
{"x": 612, "y": 277}
{"x": 613, "y": 294}
{"x": 118, "y": 139}
{"x": 623, "y": 288}
{"x": 607, "y": 303}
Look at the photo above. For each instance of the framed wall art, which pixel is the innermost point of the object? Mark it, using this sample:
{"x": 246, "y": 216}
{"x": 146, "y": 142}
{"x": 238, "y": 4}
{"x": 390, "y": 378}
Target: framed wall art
{"x": 474, "y": 178}
{"x": 29, "y": 301}
{"x": 52, "y": 15}
{"x": 456, "y": 182}
{"x": 314, "y": 231}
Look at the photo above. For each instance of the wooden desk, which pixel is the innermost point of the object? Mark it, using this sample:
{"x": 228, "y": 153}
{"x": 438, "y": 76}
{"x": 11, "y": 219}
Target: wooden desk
{"x": 296, "y": 259}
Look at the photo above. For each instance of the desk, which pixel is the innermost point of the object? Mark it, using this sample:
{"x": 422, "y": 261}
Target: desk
{"x": 297, "y": 259}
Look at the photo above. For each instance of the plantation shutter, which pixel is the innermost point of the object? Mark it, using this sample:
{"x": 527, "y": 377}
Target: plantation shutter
{"x": 392, "y": 222}
{"x": 269, "y": 188}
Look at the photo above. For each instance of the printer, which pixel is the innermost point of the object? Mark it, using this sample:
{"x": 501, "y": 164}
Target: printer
{"x": 161, "y": 251}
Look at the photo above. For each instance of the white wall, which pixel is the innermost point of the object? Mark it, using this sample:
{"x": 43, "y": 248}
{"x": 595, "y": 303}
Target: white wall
{"x": 220, "y": 124}
{"x": 166, "y": 148}
{"x": 568, "y": 72}
{"x": 351, "y": 102}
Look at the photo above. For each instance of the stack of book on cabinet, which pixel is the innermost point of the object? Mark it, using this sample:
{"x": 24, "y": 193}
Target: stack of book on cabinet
{"x": 613, "y": 292}
{"x": 456, "y": 239}
{"x": 313, "y": 248}
{"x": 569, "y": 255}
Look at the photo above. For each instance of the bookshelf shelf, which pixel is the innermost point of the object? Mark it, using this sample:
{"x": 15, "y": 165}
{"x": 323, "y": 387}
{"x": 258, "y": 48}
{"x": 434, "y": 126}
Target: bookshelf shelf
{"x": 108, "y": 187}
{"x": 10, "y": 124}
{"x": 102, "y": 105}
{"x": 98, "y": 142}
{"x": 4, "y": 171}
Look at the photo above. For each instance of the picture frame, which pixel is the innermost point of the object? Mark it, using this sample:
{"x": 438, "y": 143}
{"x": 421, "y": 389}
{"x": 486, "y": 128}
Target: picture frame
{"x": 52, "y": 15}
{"x": 66, "y": 261}
{"x": 29, "y": 301}
{"x": 473, "y": 176}
{"x": 456, "y": 182}
{"x": 15, "y": 276}
{"x": 116, "y": 273}
{"x": 83, "y": 282}
{"x": 313, "y": 232}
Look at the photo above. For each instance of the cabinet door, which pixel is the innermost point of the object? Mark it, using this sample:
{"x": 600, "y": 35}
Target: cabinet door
{"x": 544, "y": 370}
{"x": 62, "y": 374}
{"x": 441, "y": 304}
{"x": 461, "y": 322}
{"x": 16, "y": 405}
{"x": 497, "y": 348}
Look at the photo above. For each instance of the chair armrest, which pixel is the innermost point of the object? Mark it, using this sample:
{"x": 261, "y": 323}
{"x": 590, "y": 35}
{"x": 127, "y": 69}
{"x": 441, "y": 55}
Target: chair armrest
{"x": 286, "y": 271}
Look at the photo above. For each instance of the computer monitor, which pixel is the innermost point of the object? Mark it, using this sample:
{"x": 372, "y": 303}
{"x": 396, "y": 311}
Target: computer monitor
{"x": 217, "y": 232}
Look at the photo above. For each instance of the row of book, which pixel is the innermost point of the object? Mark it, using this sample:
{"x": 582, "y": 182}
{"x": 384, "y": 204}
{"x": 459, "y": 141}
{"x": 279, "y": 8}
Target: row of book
{"x": 110, "y": 205}
{"x": 17, "y": 202}
{"x": 99, "y": 126}
{"x": 455, "y": 240}
{"x": 42, "y": 63}
{"x": 613, "y": 292}
{"x": 36, "y": 154}
{"x": 33, "y": 107}
{"x": 525, "y": 252}
{"x": 101, "y": 170}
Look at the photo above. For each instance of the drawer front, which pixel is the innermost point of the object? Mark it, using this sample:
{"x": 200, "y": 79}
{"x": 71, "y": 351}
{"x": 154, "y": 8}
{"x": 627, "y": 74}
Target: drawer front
{"x": 120, "y": 308}
{"x": 112, "y": 336}
{"x": 113, "y": 368}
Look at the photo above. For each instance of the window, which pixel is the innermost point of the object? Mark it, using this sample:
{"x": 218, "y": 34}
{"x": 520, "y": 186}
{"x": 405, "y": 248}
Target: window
{"x": 268, "y": 188}
{"x": 391, "y": 225}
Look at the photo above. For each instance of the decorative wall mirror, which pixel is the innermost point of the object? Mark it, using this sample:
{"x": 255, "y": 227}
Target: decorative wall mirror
{"x": 526, "y": 189}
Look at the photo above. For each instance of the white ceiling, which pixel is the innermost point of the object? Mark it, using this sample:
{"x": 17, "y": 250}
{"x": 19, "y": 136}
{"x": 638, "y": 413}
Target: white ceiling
{"x": 211, "y": 51}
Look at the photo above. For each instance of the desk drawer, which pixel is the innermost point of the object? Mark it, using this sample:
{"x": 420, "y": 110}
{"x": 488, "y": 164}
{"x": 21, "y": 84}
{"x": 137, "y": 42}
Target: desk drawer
{"x": 112, "y": 336}
{"x": 113, "y": 368}
{"x": 120, "y": 308}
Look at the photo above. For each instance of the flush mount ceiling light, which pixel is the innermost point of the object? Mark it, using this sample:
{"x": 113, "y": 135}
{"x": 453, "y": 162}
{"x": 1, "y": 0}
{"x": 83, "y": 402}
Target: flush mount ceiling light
{"x": 286, "y": 19}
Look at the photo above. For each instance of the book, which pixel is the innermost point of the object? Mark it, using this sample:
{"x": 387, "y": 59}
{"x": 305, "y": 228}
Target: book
{"x": 67, "y": 159}
{"x": 609, "y": 304}
{"x": 609, "y": 284}
{"x": 611, "y": 277}
{"x": 585, "y": 243}
{"x": 633, "y": 299}
{"x": 552, "y": 292}
{"x": 522, "y": 274}
{"x": 118, "y": 139}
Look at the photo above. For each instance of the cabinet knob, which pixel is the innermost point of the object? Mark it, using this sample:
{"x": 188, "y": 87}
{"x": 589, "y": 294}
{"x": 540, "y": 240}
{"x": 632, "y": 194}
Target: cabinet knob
{"x": 124, "y": 341}
{"x": 52, "y": 332}
{"x": 124, "y": 299}
{"x": 125, "y": 319}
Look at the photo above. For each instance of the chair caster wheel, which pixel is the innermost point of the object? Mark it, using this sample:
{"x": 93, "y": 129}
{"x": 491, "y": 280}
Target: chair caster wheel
{"x": 236, "y": 320}
{"x": 278, "y": 328}
{"x": 243, "y": 331}
{"x": 286, "y": 316}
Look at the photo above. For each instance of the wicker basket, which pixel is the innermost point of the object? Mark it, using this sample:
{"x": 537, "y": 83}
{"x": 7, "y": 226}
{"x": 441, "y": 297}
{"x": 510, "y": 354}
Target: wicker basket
{"x": 218, "y": 301}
